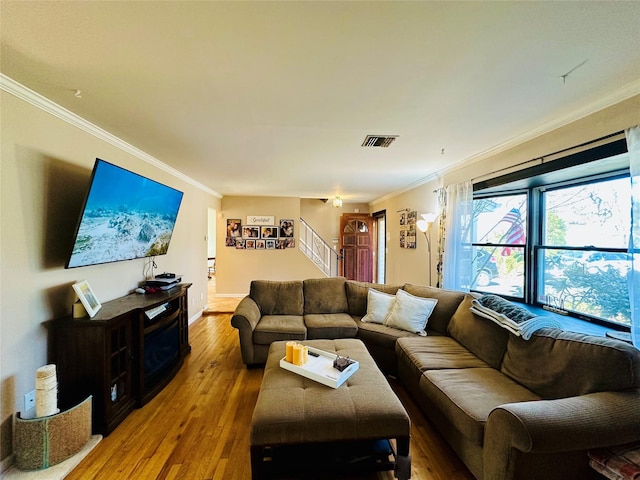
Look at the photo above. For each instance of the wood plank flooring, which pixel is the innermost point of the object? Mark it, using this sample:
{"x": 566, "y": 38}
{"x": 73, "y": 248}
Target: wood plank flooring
{"x": 198, "y": 426}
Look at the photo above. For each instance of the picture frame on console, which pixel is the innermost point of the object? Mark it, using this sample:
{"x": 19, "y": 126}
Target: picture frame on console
{"x": 87, "y": 297}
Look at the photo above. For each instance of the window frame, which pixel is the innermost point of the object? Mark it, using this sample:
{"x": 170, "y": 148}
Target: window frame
{"x": 584, "y": 167}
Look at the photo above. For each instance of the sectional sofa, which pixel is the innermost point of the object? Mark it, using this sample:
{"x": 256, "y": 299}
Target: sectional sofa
{"x": 510, "y": 408}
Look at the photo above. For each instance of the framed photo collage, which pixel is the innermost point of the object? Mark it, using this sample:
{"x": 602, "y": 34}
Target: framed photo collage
{"x": 261, "y": 234}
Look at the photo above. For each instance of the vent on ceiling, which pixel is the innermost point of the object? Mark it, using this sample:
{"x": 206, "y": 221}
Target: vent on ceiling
{"x": 378, "y": 140}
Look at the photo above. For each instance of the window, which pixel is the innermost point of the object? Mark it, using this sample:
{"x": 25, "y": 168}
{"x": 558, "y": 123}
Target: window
{"x": 558, "y": 240}
{"x": 582, "y": 257}
{"x": 499, "y": 236}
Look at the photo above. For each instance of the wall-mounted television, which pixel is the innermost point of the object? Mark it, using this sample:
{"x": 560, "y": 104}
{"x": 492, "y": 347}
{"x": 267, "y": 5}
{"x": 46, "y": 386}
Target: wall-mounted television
{"x": 125, "y": 216}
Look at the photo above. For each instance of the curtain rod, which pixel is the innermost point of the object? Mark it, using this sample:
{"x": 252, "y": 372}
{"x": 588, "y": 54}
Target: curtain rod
{"x": 542, "y": 158}
{"x": 545, "y": 157}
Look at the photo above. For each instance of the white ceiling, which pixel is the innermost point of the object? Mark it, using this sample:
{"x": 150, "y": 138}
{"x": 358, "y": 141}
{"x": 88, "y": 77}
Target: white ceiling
{"x": 275, "y": 98}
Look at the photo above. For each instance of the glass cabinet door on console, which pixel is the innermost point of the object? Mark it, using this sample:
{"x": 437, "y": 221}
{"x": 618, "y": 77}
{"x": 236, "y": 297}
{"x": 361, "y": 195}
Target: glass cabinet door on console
{"x": 95, "y": 357}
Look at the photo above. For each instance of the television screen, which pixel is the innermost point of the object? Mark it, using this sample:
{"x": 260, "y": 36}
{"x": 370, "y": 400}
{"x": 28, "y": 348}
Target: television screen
{"x": 125, "y": 216}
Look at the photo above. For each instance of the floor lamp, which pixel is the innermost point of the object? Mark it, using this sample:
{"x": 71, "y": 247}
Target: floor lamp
{"x": 424, "y": 226}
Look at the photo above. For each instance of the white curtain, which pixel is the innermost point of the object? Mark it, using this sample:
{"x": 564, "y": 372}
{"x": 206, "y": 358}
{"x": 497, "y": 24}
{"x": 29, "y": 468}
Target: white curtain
{"x": 456, "y": 258}
{"x": 633, "y": 144}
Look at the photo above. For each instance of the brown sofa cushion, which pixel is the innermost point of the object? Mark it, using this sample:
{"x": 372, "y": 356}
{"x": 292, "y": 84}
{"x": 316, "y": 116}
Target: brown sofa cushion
{"x": 466, "y": 396}
{"x": 357, "y": 294}
{"x": 482, "y": 337}
{"x": 325, "y": 295}
{"x": 558, "y": 364}
{"x": 381, "y": 335}
{"x": 330, "y": 325}
{"x": 272, "y": 328}
{"x": 448, "y": 302}
{"x": 277, "y": 297}
{"x": 436, "y": 353}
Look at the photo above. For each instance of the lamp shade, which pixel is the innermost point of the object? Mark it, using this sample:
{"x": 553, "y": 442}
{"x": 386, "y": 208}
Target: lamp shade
{"x": 427, "y": 219}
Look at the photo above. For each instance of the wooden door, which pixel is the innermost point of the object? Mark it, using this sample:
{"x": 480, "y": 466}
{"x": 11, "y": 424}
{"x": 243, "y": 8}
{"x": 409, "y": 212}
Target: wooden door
{"x": 356, "y": 246}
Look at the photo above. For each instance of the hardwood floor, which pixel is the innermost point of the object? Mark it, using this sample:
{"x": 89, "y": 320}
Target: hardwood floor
{"x": 198, "y": 426}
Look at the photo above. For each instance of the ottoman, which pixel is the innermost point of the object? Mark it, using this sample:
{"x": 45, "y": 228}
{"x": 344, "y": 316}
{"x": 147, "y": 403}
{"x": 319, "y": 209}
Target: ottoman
{"x": 294, "y": 410}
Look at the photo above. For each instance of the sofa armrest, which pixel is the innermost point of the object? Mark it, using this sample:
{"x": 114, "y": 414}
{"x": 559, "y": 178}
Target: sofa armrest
{"x": 245, "y": 318}
{"x": 562, "y": 425}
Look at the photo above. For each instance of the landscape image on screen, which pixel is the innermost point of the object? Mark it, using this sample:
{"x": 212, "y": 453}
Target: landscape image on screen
{"x": 125, "y": 216}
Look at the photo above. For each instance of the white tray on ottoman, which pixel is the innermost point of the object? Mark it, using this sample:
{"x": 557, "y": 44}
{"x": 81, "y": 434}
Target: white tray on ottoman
{"x": 320, "y": 368}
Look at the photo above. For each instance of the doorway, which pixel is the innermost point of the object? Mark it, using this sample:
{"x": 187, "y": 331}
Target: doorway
{"x": 380, "y": 252}
{"x": 356, "y": 246}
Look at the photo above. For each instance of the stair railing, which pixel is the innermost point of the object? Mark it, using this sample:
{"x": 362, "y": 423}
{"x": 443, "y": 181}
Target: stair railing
{"x": 318, "y": 250}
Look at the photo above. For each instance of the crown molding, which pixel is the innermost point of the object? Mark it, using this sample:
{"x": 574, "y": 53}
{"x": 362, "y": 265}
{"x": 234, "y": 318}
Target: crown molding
{"x": 26, "y": 94}
{"x": 624, "y": 93}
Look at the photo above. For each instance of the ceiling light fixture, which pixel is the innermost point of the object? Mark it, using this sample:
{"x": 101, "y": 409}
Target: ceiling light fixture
{"x": 337, "y": 201}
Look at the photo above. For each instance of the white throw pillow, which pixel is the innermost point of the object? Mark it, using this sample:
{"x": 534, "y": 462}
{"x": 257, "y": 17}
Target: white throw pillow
{"x": 378, "y": 306}
{"x": 410, "y": 313}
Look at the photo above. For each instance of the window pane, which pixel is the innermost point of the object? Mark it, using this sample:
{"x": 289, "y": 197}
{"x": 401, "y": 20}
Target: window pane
{"x": 499, "y": 225}
{"x": 592, "y": 214}
{"x": 499, "y": 270}
{"x": 586, "y": 282}
{"x": 500, "y": 220}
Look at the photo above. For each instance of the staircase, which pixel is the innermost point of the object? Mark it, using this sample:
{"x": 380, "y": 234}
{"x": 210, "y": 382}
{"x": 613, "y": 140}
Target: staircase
{"x": 317, "y": 250}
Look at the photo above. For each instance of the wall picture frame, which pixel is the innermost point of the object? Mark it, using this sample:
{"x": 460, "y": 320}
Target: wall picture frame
{"x": 251, "y": 232}
{"x": 234, "y": 228}
{"x": 408, "y": 229}
{"x": 286, "y": 228}
{"x": 87, "y": 297}
{"x": 269, "y": 233}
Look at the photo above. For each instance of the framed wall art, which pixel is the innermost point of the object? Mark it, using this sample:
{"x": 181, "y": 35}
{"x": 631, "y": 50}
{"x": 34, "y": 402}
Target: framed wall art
{"x": 251, "y": 232}
{"x": 234, "y": 228}
{"x": 269, "y": 232}
{"x": 286, "y": 228}
{"x": 408, "y": 228}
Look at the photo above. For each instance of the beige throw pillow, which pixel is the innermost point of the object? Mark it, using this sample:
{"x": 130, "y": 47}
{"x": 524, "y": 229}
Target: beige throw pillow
{"x": 379, "y": 305}
{"x": 410, "y": 313}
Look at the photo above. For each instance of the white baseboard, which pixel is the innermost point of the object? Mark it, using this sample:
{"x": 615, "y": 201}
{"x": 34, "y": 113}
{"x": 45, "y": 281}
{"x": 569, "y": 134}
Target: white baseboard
{"x": 195, "y": 317}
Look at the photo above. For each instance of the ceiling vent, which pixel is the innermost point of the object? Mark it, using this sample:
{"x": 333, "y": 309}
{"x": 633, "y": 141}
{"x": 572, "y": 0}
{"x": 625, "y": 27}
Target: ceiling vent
{"x": 378, "y": 140}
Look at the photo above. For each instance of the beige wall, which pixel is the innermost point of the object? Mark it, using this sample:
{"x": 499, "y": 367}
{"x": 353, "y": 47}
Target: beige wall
{"x": 44, "y": 172}
{"x": 324, "y": 218}
{"x": 405, "y": 265}
{"x": 236, "y": 268}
